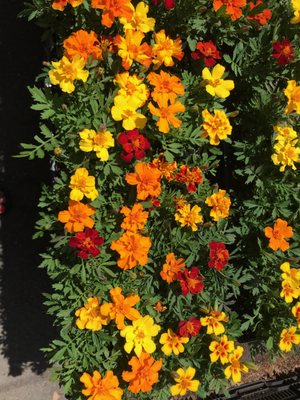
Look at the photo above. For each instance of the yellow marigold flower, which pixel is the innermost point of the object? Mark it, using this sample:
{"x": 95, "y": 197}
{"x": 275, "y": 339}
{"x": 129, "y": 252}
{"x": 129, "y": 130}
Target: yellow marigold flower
{"x": 234, "y": 370}
{"x": 288, "y": 337}
{"x": 96, "y": 141}
{"x": 296, "y": 8}
{"x": 139, "y": 20}
{"x": 296, "y": 312}
{"x": 289, "y": 273}
{"x": 185, "y": 382}
{"x": 289, "y": 291}
{"x": 214, "y": 85}
{"x": 139, "y": 335}
{"x": 285, "y": 134}
{"x": 98, "y": 388}
{"x": 188, "y": 216}
{"x": 172, "y": 343}
{"x": 216, "y": 126}
{"x": 220, "y": 205}
{"x": 221, "y": 349}
{"x": 286, "y": 155}
{"x": 166, "y": 113}
{"x": 131, "y": 49}
{"x": 126, "y": 112}
{"x": 121, "y": 307}
{"x": 135, "y": 218}
{"x": 82, "y": 185}
{"x": 165, "y": 48}
{"x": 213, "y": 322}
{"x": 132, "y": 89}
{"x": 292, "y": 92}
{"x": 133, "y": 249}
{"x": 171, "y": 268}
{"x": 65, "y": 72}
{"x": 90, "y": 317}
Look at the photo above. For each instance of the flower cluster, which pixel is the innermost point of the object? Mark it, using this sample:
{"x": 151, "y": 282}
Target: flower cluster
{"x": 286, "y": 150}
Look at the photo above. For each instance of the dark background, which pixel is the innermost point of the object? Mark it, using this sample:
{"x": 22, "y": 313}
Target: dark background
{"x": 25, "y": 326}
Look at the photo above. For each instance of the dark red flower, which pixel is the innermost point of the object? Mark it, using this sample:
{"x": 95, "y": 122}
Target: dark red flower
{"x": 87, "y": 242}
{"x": 218, "y": 255}
{"x": 189, "y": 328}
{"x": 107, "y": 44}
{"x": 208, "y": 51}
{"x": 190, "y": 281}
{"x": 262, "y": 17}
{"x": 191, "y": 177}
{"x": 283, "y": 51}
{"x": 169, "y": 4}
{"x": 134, "y": 145}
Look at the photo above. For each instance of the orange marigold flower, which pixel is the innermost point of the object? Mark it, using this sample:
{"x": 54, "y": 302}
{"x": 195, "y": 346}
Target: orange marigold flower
{"x": 135, "y": 218}
{"x": 263, "y": 17}
{"x": 131, "y": 49}
{"x": 144, "y": 373}
{"x": 220, "y": 205}
{"x": 171, "y": 268}
{"x": 77, "y": 216}
{"x": 90, "y": 316}
{"x": 191, "y": 177}
{"x": 278, "y": 234}
{"x": 166, "y": 113}
{"x": 121, "y": 307}
{"x": 166, "y": 168}
{"x": 133, "y": 249}
{"x": 83, "y": 44}
{"x": 165, "y": 48}
{"x": 233, "y": 7}
{"x": 61, "y": 4}
{"x": 106, "y": 388}
{"x": 165, "y": 85}
{"x": 216, "y": 126}
{"x": 147, "y": 180}
{"x": 113, "y": 9}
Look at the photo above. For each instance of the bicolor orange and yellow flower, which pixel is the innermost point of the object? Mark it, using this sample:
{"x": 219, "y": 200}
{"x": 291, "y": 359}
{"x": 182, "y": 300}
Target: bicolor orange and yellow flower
{"x": 217, "y": 127}
{"x": 214, "y": 322}
{"x": 139, "y": 20}
{"x": 288, "y": 337}
{"x": 98, "y": 388}
{"x": 98, "y": 142}
{"x": 165, "y": 49}
{"x": 188, "y": 216}
{"x": 221, "y": 349}
{"x": 236, "y": 368}
{"x": 139, "y": 335}
{"x": 296, "y": 312}
{"x": 292, "y": 92}
{"x": 214, "y": 84}
{"x": 65, "y": 72}
{"x": 185, "y": 382}
{"x": 220, "y": 205}
{"x": 172, "y": 343}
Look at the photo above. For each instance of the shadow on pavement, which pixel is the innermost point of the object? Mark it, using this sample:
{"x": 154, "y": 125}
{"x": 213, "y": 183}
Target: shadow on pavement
{"x": 25, "y": 326}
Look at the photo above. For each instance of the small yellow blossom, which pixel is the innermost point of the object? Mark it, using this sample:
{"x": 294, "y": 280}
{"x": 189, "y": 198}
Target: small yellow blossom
{"x": 90, "y": 317}
{"x": 296, "y": 8}
{"x": 132, "y": 89}
{"x": 288, "y": 337}
{"x": 221, "y": 349}
{"x": 139, "y": 20}
{"x": 292, "y": 92}
{"x": 82, "y": 185}
{"x": 126, "y": 112}
{"x": 285, "y": 134}
{"x": 216, "y": 126}
{"x": 213, "y": 322}
{"x": 185, "y": 382}
{"x": 165, "y": 49}
{"x": 296, "y": 312}
{"x": 286, "y": 155}
{"x": 220, "y": 205}
{"x": 172, "y": 343}
{"x": 234, "y": 370}
{"x": 188, "y": 216}
{"x": 214, "y": 85}
{"x": 96, "y": 141}
{"x": 65, "y": 72}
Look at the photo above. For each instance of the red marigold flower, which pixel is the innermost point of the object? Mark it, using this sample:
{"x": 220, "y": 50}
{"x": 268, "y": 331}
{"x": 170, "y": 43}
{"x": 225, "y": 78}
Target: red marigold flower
{"x": 134, "y": 145}
{"x": 107, "y": 44}
{"x": 87, "y": 242}
{"x": 189, "y": 328}
{"x": 191, "y": 177}
{"x": 190, "y": 281}
{"x": 218, "y": 255}
{"x": 263, "y": 17}
{"x": 208, "y": 51}
{"x": 283, "y": 51}
{"x": 169, "y": 4}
